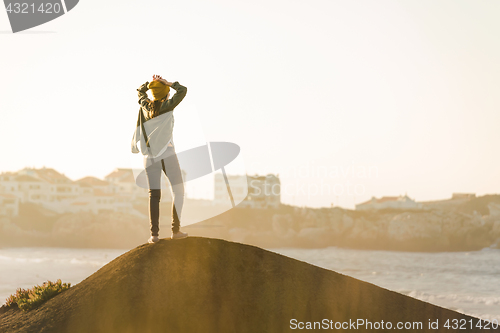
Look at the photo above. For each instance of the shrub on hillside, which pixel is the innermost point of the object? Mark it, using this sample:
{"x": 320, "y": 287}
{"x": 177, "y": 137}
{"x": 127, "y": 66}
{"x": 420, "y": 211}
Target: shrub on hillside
{"x": 27, "y": 299}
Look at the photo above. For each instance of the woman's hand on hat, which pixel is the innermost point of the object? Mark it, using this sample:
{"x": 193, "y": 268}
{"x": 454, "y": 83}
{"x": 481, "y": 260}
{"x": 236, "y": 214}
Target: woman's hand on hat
{"x": 162, "y": 80}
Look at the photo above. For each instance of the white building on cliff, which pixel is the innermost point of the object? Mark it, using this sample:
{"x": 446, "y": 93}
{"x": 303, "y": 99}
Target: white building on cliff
{"x": 56, "y": 192}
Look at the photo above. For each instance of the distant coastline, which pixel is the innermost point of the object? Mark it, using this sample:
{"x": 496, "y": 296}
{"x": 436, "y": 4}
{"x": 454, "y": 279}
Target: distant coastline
{"x": 463, "y": 227}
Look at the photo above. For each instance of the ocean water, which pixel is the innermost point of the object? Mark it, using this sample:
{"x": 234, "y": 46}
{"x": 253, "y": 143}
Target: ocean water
{"x": 27, "y": 267}
{"x": 468, "y": 282}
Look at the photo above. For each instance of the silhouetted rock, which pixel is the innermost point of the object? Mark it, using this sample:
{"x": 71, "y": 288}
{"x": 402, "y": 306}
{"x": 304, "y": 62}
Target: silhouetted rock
{"x": 209, "y": 285}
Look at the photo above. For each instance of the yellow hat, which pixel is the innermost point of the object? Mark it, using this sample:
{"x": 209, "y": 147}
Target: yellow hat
{"x": 158, "y": 89}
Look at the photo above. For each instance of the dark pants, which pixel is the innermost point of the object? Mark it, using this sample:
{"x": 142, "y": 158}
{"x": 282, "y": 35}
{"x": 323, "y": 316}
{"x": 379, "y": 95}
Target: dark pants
{"x": 168, "y": 164}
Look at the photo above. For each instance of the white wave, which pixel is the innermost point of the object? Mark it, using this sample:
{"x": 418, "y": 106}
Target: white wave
{"x": 457, "y": 298}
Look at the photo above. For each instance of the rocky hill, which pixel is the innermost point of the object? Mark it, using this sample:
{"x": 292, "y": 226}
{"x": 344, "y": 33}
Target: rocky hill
{"x": 209, "y": 285}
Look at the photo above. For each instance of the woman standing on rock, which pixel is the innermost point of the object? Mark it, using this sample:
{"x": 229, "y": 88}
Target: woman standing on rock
{"x": 154, "y": 130}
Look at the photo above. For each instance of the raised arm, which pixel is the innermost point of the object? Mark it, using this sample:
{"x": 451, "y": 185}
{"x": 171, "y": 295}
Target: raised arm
{"x": 180, "y": 93}
{"x": 143, "y": 97}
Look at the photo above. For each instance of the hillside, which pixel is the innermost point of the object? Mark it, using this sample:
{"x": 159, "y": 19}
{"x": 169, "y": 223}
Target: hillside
{"x": 209, "y": 285}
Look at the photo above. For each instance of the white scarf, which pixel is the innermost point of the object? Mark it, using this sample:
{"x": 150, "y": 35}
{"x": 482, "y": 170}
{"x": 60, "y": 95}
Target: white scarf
{"x": 157, "y": 131}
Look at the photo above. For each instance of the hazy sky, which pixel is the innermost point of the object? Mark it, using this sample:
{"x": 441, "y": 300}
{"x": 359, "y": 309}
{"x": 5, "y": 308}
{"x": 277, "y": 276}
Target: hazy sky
{"x": 344, "y": 99}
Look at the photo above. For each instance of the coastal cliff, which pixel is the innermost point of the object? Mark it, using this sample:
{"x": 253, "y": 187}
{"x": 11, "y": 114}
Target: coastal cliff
{"x": 463, "y": 228}
{"x": 210, "y": 285}
{"x": 470, "y": 226}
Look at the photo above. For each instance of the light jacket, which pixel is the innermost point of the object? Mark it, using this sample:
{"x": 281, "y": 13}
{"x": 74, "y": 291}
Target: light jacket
{"x": 156, "y": 133}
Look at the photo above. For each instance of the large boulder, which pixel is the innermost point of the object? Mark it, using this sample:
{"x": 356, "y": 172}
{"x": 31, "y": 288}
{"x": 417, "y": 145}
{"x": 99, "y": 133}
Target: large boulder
{"x": 209, "y": 285}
